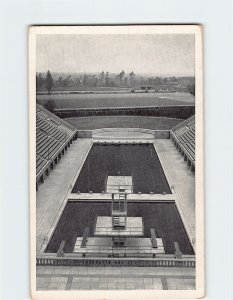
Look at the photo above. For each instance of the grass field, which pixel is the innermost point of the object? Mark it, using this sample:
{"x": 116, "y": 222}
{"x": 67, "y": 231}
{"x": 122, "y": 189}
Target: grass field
{"x": 117, "y": 100}
{"x": 96, "y": 122}
{"x": 163, "y": 217}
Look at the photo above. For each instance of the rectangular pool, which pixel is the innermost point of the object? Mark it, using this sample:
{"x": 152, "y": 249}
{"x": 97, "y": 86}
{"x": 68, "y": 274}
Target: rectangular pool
{"x": 137, "y": 160}
{"x": 164, "y": 217}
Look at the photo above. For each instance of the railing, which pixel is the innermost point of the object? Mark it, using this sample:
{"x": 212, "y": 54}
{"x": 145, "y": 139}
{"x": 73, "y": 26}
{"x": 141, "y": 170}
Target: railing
{"x": 73, "y": 260}
{"x": 120, "y": 232}
{"x": 118, "y": 187}
{"x": 99, "y": 249}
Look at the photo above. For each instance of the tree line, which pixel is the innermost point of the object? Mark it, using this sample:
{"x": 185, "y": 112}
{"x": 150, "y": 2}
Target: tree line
{"x": 110, "y": 80}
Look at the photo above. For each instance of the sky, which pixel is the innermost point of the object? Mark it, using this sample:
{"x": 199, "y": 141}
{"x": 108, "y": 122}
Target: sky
{"x": 157, "y": 54}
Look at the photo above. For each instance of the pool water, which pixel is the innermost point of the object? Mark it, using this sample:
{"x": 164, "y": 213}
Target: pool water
{"x": 163, "y": 217}
{"x": 137, "y": 160}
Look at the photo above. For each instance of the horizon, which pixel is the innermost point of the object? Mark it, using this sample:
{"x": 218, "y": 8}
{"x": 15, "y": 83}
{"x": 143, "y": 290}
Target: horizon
{"x": 115, "y": 73}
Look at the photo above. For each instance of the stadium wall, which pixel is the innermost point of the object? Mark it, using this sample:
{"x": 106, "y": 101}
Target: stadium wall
{"x": 180, "y": 111}
{"x": 157, "y": 134}
{"x": 162, "y": 134}
{"x": 85, "y": 134}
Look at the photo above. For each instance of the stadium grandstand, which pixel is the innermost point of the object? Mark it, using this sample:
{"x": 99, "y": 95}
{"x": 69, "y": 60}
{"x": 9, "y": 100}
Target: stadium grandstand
{"x": 53, "y": 137}
{"x": 183, "y": 136}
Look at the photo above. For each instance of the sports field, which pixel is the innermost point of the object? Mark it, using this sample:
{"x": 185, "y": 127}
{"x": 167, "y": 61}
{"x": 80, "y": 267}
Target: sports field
{"x": 164, "y": 217}
{"x": 139, "y": 161}
{"x": 117, "y": 100}
{"x": 96, "y": 122}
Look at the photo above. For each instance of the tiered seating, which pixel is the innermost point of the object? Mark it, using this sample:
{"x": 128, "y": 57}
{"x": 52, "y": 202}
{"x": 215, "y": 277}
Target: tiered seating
{"x": 52, "y": 135}
{"x": 40, "y": 163}
{"x": 184, "y": 135}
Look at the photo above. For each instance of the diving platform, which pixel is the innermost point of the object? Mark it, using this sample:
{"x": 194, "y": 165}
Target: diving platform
{"x": 118, "y": 183}
{"x": 134, "y": 247}
{"x": 134, "y": 227}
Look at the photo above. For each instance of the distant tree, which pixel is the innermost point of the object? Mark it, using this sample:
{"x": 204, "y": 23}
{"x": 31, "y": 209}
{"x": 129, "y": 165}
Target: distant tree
{"x": 49, "y": 82}
{"x": 79, "y": 81}
{"x": 68, "y": 81}
{"x": 95, "y": 81}
{"x": 150, "y": 81}
{"x": 85, "y": 80}
{"x": 132, "y": 77}
{"x": 107, "y": 78}
{"x": 112, "y": 82}
{"x": 125, "y": 81}
{"x": 60, "y": 81}
{"x": 173, "y": 79}
{"x": 191, "y": 89}
{"x": 121, "y": 76}
{"x": 158, "y": 80}
{"x": 39, "y": 81}
{"x": 142, "y": 81}
{"x": 101, "y": 77}
{"x": 49, "y": 105}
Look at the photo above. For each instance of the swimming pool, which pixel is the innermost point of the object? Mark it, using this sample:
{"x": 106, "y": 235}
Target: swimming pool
{"x": 137, "y": 160}
{"x": 164, "y": 217}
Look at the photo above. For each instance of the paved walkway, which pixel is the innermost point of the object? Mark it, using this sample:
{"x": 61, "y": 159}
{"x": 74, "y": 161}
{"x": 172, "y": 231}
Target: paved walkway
{"x": 183, "y": 180}
{"x": 111, "y": 278}
{"x": 135, "y": 197}
{"x": 52, "y": 193}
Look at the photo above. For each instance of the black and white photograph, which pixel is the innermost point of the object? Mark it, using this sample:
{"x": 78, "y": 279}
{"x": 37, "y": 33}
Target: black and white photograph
{"x": 116, "y": 162}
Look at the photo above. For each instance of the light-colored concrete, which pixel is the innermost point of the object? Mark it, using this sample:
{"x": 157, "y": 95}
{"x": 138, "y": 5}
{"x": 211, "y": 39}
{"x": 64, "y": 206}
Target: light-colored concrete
{"x": 123, "y": 139}
{"x": 122, "y": 134}
{"x": 119, "y": 133}
{"x": 115, "y": 183}
{"x": 108, "y": 197}
{"x": 116, "y": 278}
{"x": 133, "y": 227}
{"x": 182, "y": 181}
{"x": 103, "y": 245}
{"x": 51, "y": 197}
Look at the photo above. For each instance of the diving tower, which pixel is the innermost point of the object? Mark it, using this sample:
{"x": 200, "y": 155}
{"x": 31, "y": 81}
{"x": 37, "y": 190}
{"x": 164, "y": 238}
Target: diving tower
{"x": 119, "y": 234}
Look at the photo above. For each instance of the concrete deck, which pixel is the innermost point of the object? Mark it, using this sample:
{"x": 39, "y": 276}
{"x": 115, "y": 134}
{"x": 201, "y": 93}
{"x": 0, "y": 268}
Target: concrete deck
{"x": 182, "y": 180}
{"x": 136, "y": 246}
{"x": 110, "y": 278}
{"x": 51, "y": 196}
{"x": 130, "y": 197}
